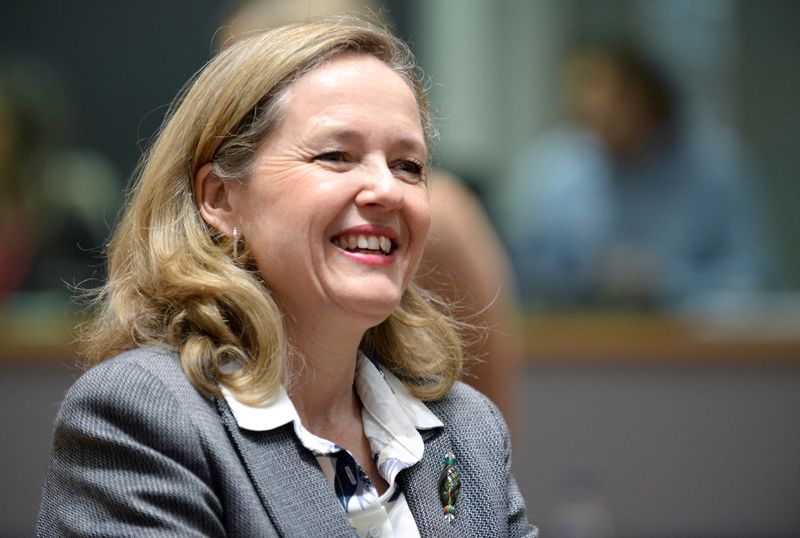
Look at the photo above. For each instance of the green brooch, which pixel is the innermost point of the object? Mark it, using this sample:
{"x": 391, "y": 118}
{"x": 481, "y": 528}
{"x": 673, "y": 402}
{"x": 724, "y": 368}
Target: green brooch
{"x": 450, "y": 487}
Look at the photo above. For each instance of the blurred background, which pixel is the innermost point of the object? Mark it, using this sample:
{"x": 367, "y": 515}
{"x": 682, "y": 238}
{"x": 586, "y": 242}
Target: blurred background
{"x": 638, "y": 160}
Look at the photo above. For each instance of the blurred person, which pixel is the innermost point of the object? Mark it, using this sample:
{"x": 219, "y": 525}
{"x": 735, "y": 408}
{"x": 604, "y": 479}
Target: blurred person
{"x": 464, "y": 261}
{"x": 264, "y": 362}
{"x": 240, "y": 18}
{"x": 629, "y": 203}
{"x": 53, "y": 198}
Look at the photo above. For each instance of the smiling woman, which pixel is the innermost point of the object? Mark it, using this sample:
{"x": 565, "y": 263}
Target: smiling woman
{"x": 343, "y": 166}
{"x": 263, "y": 363}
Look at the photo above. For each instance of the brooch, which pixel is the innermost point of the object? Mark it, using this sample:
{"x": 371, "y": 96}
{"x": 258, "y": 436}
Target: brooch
{"x": 450, "y": 487}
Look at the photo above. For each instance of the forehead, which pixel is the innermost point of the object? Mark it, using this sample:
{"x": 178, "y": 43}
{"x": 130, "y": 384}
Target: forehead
{"x": 353, "y": 88}
{"x": 352, "y": 65}
{"x": 348, "y": 72}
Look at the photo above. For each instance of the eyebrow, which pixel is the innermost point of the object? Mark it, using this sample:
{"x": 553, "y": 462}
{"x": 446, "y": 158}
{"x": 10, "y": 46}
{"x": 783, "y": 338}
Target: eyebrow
{"x": 348, "y": 134}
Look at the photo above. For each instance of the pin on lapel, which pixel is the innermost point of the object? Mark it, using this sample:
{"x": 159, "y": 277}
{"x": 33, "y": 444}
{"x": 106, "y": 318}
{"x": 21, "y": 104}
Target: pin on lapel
{"x": 450, "y": 487}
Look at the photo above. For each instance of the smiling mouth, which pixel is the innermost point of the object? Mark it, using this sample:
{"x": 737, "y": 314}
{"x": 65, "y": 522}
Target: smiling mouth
{"x": 365, "y": 243}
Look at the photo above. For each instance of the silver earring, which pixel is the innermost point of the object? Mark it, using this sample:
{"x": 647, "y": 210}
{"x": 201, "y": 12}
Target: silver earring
{"x": 235, "y": 233}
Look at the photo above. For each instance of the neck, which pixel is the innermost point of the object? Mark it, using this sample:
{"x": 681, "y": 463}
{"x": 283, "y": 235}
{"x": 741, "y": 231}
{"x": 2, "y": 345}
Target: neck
{"x": 322, "y": 365}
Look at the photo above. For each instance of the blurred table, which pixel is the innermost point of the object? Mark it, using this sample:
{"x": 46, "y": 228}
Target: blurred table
{"x": 647, "y": 404}
{"x": 549, "y": 337}
{"x": 685, "y": 426}
{"x": 36, "y": 337}
{"x": 618, "y": 336}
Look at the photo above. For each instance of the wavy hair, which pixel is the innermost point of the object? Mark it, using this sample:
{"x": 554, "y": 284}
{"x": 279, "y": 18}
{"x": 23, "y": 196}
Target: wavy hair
{"x": 175, "y": 281}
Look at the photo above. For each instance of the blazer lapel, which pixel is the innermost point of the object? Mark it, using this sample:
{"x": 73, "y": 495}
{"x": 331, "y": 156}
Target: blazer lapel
{"x": 420, "y": 485}
{"x": 292, "y": 487}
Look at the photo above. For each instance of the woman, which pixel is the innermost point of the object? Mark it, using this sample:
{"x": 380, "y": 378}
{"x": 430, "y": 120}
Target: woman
{"x": 271, "y": 349}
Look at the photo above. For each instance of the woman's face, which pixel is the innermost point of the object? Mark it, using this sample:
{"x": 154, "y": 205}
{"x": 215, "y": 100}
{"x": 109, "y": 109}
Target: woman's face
{"x": 336, "y": 212}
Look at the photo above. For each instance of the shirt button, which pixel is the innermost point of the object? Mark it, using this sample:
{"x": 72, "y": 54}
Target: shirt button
{"x": 374, "y": 532}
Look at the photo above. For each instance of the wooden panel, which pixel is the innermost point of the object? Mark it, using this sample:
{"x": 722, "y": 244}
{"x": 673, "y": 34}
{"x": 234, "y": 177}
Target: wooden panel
{"x": 645, "y": 338}
{"x": 560, "y": 337}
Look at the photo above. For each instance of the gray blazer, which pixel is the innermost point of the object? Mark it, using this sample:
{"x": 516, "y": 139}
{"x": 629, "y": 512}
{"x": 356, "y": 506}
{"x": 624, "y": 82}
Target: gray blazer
{"x": 138, "y": 451}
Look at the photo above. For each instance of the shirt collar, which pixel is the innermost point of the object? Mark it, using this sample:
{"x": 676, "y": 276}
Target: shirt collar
{"x": 279, "y": 411}
{"x": 381, "y": 393}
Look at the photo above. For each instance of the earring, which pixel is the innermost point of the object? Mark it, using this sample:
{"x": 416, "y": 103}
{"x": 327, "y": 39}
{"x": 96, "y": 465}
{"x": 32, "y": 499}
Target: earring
{"x": 235, "y": 233}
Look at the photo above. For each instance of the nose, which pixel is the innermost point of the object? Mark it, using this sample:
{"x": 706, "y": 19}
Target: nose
{"x": 380, "y": 187}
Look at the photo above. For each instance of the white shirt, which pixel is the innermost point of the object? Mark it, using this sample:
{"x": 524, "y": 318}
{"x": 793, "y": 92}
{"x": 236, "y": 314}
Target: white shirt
{"x": 391, "y": 418}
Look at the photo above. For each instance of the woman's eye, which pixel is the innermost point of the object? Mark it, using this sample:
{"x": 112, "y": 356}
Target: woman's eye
{"x": 410, "y": 169}
{"x": 332, "y": 157}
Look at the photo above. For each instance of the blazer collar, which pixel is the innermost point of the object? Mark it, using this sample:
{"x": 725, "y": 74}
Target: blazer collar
{"x": 276, "y": 460}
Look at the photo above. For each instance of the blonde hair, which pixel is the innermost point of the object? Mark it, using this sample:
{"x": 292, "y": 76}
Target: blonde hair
{"x": 173, "y": 280}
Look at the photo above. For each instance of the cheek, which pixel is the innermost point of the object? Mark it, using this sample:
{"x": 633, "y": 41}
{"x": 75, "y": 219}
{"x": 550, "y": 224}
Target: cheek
{"x": 419, "y": 220}
{"x": 421, "y": 210}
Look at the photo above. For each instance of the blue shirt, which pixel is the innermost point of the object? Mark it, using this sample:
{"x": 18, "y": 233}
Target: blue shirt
{"x": 683, "y": 210}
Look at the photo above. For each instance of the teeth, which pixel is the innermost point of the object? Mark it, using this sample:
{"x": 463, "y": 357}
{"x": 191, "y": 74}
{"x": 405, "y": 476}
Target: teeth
{"x": 386, "y": 245}
{"x": 364, "y": 242}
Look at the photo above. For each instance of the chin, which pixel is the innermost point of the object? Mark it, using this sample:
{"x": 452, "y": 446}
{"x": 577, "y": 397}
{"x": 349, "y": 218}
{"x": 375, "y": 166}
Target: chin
{"x": 375, "y": 311}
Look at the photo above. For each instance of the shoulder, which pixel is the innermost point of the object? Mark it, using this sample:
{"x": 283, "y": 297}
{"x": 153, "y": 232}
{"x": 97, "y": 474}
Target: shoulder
{"x": 133, "y": 371}
{"x": 559, "y": 148}
{"x": 160, "y": 361}
{"x": 138, "y": 387}
{"x": 463, "y": 395}
{"x": 467, "y": 411}
{"x": 134, "y": 445}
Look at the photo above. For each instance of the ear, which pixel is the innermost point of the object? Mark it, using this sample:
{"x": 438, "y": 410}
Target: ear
{"x": 212, "y": 196}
